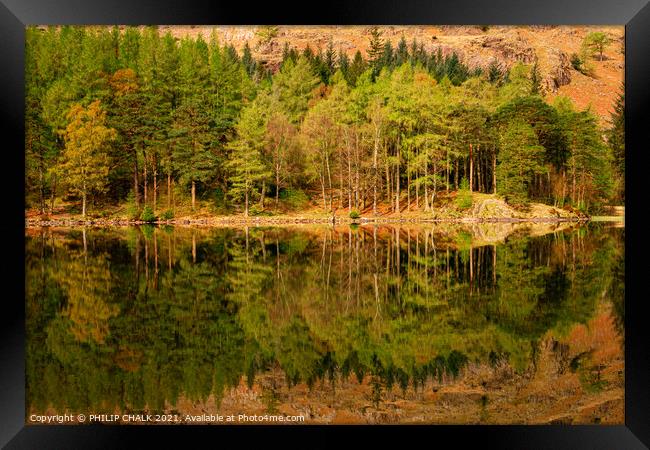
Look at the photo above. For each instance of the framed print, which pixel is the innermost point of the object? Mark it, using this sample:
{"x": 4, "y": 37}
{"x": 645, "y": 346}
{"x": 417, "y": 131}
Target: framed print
{"x": 370, "y": 219}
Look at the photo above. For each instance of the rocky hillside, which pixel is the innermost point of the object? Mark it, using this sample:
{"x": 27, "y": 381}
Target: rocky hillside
{"x": 551, "y": 46}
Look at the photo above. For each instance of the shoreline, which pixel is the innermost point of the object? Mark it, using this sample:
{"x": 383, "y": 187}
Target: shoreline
{"x": 270, "y": 221}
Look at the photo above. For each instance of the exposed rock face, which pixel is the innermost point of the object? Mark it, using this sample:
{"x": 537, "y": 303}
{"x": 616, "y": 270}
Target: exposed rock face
{"x": 559, "y": 72}
{"x": 476, "y": 46}
{"x": 508, "y": 48}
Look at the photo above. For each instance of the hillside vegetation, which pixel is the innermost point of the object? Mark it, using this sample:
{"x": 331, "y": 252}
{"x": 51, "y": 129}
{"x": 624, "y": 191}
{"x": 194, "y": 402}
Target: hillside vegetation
{"x": 149, "y": 124}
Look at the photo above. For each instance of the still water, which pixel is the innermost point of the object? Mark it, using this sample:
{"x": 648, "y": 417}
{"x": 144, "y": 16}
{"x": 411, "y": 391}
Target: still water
{"x": 491, "y": 323}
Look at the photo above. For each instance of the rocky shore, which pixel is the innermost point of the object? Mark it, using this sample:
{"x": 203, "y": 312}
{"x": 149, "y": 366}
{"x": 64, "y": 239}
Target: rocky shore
{"x": 270, "y": 221}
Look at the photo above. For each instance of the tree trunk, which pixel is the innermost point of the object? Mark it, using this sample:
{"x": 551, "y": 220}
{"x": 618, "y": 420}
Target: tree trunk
{"x": 53, "y": 194}
{"x": 329, "y": 177}
{"x": 408, "y": 184}
{"x": 447, "y": 168}
{"x": 277, "y": 186}
{"x": 144, "y": 178}
{"x": 435, "y": 183}
{"x": 322, "y": 185}
{"x": 262, "y": 194}
{"x": 83, "y": 204}
{"x": 341, "y": 179}
{"x": 494, "y": 171}
{"x": 478, "y": 168}
{"x": 41, "y": 189}
{"x": 193, "y": 194}
{"x": 375, "y": 175}
{"x": 136, "y": 192}
{"x": 471, "y": 169}
{"x": 426, "y": 188}
{"x": 155, "y": 185}
{"x": 169, "y": 190}
{"x": 246, "y": 202}
{"x": 397, "y": 178}
{"x": 349, "y": 154}
{"x": 387, "y": 177}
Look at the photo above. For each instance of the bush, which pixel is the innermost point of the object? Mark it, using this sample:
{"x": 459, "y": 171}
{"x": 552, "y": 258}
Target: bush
{"x": 464, "y": 197}
{"x": 295, "y": 198}
{"x": 581, "y": 64}
{"x": 354, "y": 214}
{"x": 257, "y": 210}
{"x": 576, "y": 62}
{"x": 267, "y": 33}
{"x": 131, "y": 209}
{"x": 167, "y": 215}
{"x": 147, "y": 215}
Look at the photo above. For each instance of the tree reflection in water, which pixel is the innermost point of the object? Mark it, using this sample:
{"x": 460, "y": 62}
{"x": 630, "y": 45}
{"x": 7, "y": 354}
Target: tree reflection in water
{"x": 138, "y": 319}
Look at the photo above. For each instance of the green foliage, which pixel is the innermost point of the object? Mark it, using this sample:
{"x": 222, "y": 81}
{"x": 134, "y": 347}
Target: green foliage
{"x": 167, "y": 215}
{"x": 206, "y": 119}
{"x": 616, "y": 142}
{"x": 576, "y": 62}
{"x": 257, "y": 210}
{"x": 295, "y": 198}
{"x": 266, "y": 34}
{"x": 595, "y": 43}
{"x": 93, "y": 311}
{"x": 132, "y": 210}
{"x": 148, "y": 214}
{"x": 520, "y": 157}
{"x": 85, "y": 162}
{"x": 464, "y": 196}
{"x": 354, "y": 214}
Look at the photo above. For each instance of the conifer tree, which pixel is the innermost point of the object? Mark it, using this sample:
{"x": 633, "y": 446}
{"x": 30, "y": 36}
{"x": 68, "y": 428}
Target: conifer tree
{"x": 520, "y": 157}
{"x": 375, "y": 50}
{"x": 85, "y": 162}
{"x": 245, "y": 160}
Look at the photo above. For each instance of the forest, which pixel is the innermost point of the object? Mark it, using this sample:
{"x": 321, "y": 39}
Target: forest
{"x": 135, "y": 118}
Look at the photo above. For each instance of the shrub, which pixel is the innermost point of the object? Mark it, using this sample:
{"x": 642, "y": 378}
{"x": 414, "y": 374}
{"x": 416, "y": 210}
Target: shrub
{"x": 267, "y": 33}
{"x": 464, "y": 197}
{"x": 131, "y": 209}
{"x": 148, "y": 215}
{"x": 576, "y": 62}
{"x": 354, "y": 214}
{"x": 580, "y": 63}
{"x": 257, "y": 210}
{"x": 167, "y": 215}
{"x": 295, "y": 198}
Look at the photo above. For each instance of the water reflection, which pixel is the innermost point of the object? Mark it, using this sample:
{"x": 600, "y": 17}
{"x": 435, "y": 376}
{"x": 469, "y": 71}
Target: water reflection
{"x": 350, "y": 319}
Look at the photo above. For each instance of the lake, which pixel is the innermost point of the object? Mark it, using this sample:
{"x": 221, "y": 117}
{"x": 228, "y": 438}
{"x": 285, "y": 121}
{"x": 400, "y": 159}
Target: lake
{"x": 443, "y": 323}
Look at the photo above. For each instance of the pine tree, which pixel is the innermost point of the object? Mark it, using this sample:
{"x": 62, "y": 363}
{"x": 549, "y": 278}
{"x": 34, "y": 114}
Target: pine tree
{"x": 245, "y": 160}
{"x": 520, "y": 157}
{"x": 192, "y": 154}
{"x": 535, "y": 80}
{"x": 357, "y": 67}
{"x": 330, "y": 59}
{"x": 375, "y": 50}
{"x": 248, "y": 61}
{"x": 294, "y": 86}
{"x": 85, "y": 163}
{"x": 616, "y": 140}
{"x": 402, "y": 52}
{"x": 596, "y": 42}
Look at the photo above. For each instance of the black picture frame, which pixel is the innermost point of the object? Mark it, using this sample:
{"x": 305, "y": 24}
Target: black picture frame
{"x": 16, "y": 14}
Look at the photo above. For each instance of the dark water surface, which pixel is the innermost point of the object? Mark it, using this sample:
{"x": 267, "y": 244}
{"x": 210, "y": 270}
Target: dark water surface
{"x": 438, "y": 324}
